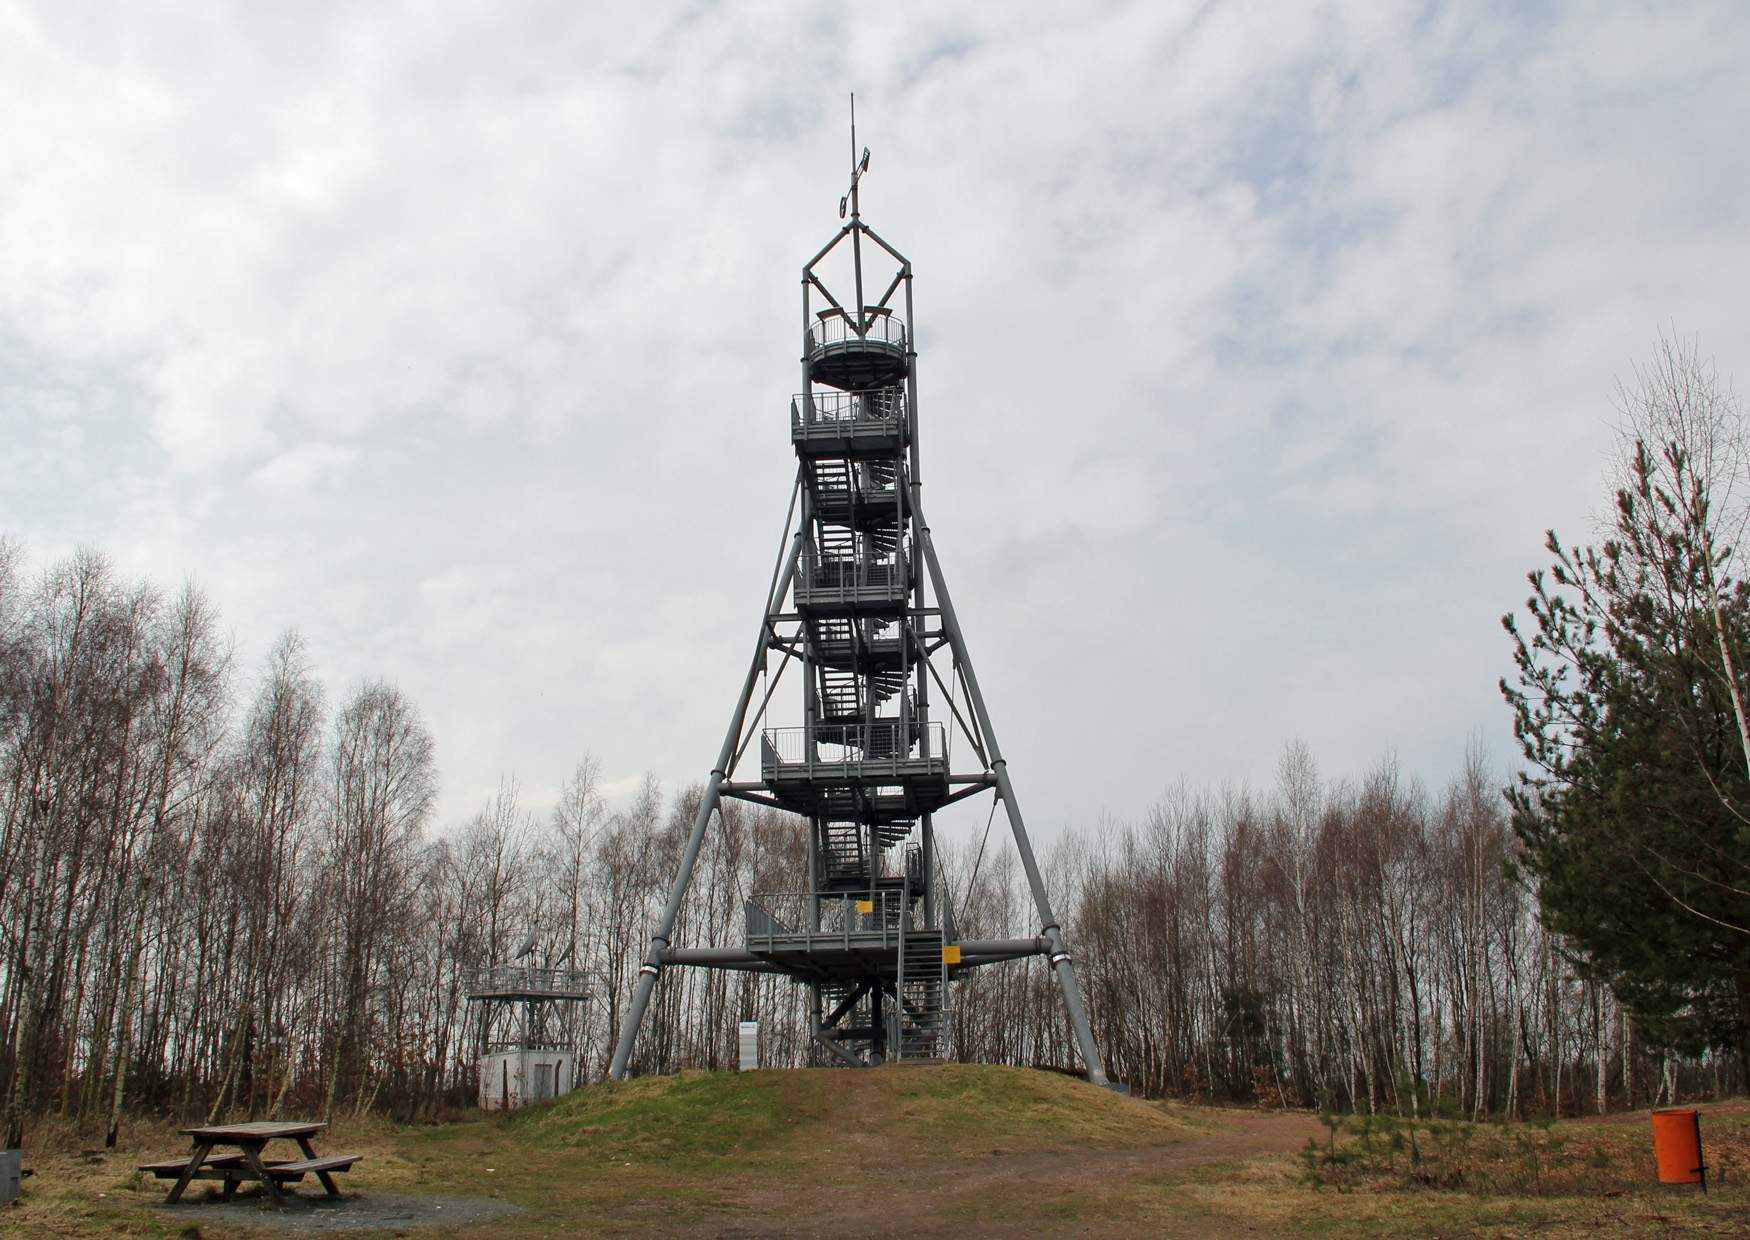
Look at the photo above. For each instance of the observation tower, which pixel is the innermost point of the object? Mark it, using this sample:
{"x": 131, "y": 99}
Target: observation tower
{"x": 528, "y": 1030}
{"x": 857, "y": 603}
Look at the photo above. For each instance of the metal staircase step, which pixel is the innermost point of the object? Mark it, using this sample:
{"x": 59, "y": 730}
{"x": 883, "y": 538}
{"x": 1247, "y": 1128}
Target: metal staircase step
{"x": 923, "y": 990}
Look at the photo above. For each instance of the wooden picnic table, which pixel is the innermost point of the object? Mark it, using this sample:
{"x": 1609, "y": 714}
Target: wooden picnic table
{"x": 248, "y": 1164}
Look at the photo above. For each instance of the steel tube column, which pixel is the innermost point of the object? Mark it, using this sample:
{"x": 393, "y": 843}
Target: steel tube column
{"x": 915, "y": 622}
{"x": 652, "y": 966}
{"x": 1061, "y": 964}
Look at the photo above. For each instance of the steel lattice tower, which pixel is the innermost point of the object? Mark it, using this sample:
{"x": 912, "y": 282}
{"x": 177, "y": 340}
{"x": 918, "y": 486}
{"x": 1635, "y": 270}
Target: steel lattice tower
{"x": 858, "y": 601}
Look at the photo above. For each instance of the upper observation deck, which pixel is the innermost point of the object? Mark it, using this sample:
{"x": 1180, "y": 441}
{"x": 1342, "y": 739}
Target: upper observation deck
{"x": 884, "y": 769}
{"x": 849, "y": 424}
{"x": 842, "y": 357}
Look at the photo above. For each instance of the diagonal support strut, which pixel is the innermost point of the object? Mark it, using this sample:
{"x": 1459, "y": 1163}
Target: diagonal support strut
{"x": 652, "y": 966}
{"x": 1061, "y": 964}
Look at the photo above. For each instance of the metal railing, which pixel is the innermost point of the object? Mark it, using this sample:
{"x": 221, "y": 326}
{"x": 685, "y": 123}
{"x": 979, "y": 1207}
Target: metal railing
{"x": 881, "y": 410}
{"x": 503, "y": 979}
{"x": 856, "y": 576}
{"x": 884, "y": 331}
{"x": 495, "y": 1046}
{"x": 875, "y": 918}
{"x": 889, "y": 744}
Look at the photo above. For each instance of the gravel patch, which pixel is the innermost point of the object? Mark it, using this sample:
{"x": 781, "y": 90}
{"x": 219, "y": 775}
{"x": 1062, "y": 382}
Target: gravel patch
{"x": 320, "y": 1216}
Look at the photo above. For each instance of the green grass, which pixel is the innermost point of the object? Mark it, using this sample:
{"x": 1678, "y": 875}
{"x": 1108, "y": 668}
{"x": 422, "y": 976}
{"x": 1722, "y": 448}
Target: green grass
{"x": 945, "y": 1149}
{"x": 973, "y": 1108}
{"x": 693, "y": 1118}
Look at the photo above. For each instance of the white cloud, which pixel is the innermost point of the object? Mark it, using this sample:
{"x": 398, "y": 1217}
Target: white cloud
{"x": 299, "y": 467}
{"x": 1260, "y": 342}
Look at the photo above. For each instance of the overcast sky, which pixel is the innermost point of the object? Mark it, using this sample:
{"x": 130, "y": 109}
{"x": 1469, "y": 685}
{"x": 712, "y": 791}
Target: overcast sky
{"x": 1259, "y": 345}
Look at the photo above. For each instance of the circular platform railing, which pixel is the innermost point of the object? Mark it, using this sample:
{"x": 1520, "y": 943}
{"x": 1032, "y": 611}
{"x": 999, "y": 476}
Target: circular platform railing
{"x": 884, "y": 332}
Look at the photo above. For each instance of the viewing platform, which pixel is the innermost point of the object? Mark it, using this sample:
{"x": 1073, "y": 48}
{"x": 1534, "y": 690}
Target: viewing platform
{"x": 842, "y": 357}
{"x": 879, "y": 751}
{"x": 886, "y": 770}
{"x": 849, "y": 424}
{"x": 849, "y": 587}
{"x": 857, "y": 937}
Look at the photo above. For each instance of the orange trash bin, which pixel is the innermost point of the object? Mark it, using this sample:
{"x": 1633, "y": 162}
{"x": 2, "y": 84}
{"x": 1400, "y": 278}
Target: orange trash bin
{"x": 1677, "y": 1146}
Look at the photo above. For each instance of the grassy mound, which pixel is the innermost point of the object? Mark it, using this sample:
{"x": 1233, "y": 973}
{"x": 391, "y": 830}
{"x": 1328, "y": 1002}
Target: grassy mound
{"x": 697, "y": 1116}
{"x": 756, "y": 1116}
{"x": 701, "y": 1150}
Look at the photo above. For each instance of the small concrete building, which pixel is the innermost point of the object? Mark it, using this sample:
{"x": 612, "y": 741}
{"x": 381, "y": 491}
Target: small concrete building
{"x": 514, "y": 1078}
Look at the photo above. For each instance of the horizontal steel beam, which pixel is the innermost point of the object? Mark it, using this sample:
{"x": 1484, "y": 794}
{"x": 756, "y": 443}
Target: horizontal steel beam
{"x": 718, "y": 958}
{"x": 740, "y": 794}
{"x": 792, "y": 617}
{"x": 1006, "y": 949}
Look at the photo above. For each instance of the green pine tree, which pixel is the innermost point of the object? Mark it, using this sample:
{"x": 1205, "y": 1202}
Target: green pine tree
{"x": 1628, "y": 701}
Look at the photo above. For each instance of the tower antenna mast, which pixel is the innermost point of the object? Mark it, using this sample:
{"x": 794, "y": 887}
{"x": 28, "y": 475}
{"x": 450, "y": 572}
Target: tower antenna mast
{"x": 858, "y": 168}
{"x": 855, "y": 227}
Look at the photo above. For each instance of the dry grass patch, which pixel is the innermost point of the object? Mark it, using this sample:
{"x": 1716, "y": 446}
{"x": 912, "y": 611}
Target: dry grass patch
{"x": 1567, "y": 1178}
{"x": 976, "y": 1109}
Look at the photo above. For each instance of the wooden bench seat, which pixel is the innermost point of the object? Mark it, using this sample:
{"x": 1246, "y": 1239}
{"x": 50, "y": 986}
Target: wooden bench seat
{"x": 170, "y": 1168}
{"x": 293, "y": 1171}
{"x": 227, "y": 1165}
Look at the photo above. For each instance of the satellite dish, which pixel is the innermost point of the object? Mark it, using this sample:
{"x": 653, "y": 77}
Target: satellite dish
{"x": 527, "y": 947}
{"x": 843, "y": 203}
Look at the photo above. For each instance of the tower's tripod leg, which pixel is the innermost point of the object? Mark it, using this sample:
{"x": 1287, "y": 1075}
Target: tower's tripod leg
{"x": 1052, "y": 932}
{"x": 652, "y": 966}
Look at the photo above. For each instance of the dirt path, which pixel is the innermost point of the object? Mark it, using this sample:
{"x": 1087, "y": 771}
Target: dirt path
{"x": 1233, "y": 1137}
{"x": 951, "y": 1196}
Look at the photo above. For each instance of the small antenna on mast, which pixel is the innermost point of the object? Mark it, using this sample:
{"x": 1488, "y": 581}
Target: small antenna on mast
{"x": 858, "y": 166}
